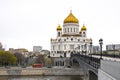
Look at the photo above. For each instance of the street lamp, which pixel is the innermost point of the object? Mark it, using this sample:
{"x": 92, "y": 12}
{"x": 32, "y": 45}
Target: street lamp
{"x": 101, "y": 43}
{"x": 114, "y": 50}
{"x": 91, "y": 48}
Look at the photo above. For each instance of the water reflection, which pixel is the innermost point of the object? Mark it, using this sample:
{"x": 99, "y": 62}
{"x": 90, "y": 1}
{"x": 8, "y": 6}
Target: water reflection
{"x": 40, "y": 78}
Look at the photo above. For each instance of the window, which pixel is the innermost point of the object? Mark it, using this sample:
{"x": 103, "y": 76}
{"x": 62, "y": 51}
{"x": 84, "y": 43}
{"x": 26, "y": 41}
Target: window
{"x": 65, "y": 29}
{"x": 63, "y": 63}
{"x": 72, "y": 47}
{"x": 68, "y": 29}
{"x": 78, "y": 46}
{"x": 65, "y": 47}
{"x": 58, "y": 33}
{"x": 64, "y": 54}
{"x": 53, "y": 47}
{"x": 56, "y": 63}
{"x": 59, "y": 40}
{"x": 71, "y": 29}
{"x": 83, "y": 32}
{"x": 77, "y": 30}
{"x": 71, "y": 39}
{"x": 74, "y": 29}
{"x": 58, "y": 47}
{"x": 64, "y": 39}
{"x": 85, "y": 46}
{"x": 83, "y": 40}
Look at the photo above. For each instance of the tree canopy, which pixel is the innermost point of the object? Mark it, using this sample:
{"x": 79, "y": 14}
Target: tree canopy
{"x": 6, "y": 58}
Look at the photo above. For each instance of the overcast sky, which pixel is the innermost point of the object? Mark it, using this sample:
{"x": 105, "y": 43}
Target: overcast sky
{"x": 25, "y": 23}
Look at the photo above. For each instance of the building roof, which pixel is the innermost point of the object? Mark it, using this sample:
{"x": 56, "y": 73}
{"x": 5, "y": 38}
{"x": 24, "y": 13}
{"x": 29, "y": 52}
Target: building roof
{"x": 59, "y": 27}
{"x": 71, "y": 18}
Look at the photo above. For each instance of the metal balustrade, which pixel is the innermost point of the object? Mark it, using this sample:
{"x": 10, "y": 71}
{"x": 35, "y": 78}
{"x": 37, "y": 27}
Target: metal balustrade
{"x": 94, "y": 62}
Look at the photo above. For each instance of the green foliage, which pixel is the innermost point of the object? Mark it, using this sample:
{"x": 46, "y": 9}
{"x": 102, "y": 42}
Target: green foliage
{"x": 48, "y": 62}
{"x": 6, "y": 58}
{"x": 40, "y": 59}
{"x": 20, "y": 58}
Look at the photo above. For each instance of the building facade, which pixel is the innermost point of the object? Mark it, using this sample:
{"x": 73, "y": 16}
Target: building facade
{"x": 37, "y": 48}
{"x": 23, "y": 51}
{"x": 95, "y": 49}
{"x": 70, "y": 38}
{"x": 113, "y": 47}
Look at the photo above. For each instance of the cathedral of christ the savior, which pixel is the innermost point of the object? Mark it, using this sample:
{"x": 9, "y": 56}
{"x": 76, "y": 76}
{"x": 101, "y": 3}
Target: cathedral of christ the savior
{"x": 70, "y": 38}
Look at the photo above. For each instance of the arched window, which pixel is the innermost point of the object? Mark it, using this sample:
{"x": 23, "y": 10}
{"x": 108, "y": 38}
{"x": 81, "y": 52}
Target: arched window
{"x": 65, "y": 54}
{"x": 58, "y": 33}
{"x": 63, "y": 63}
{"x": 71, "y": 39}
{"x": 65, "y": 30}
{"x": 56, "y": 63}
{"x": 53, "y": 47}
{"x": 83, "y": 32}
{"x": 64, "y": 39}
{"x": 74, "y": 29}
{"x": 65, "y": 47}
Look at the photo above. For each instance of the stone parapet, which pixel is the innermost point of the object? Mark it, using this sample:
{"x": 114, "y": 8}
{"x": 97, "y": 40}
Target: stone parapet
{"x": 41, "y": 71}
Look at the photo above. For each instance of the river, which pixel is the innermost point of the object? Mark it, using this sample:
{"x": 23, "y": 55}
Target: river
{"x": 40, "y": 78}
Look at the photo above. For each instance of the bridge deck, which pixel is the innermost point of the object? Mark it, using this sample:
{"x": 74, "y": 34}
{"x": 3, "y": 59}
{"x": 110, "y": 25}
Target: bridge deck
{"x": 107, "y": 58}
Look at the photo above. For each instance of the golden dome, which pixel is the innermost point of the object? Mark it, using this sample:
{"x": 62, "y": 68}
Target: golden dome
{"x": 71, "y": 19}
{"x": 83, "y": 27}
{"x": 59, "y": 27}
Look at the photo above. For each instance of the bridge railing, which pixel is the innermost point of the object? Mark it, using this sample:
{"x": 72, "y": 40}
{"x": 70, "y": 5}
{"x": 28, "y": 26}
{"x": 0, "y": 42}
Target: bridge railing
{"x": 94, "y": 62}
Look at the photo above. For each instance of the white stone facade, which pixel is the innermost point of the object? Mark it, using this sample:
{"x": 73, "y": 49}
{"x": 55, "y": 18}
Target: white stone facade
{"x": 70, "y": 38}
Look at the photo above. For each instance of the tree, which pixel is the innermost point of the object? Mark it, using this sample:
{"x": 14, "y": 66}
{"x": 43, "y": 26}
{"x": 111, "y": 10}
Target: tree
{"x": 40, "y": 59}
{"x": 20, "y": 58}
{"x": 6, "y": 58}
{"x": 48, "y": 61}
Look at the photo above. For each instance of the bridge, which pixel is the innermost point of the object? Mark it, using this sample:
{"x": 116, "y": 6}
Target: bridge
{"x": 95, "y": 68}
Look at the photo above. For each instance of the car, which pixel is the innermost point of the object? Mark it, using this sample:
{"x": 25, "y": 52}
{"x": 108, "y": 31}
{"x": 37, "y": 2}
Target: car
{"x": 37, "y": 65}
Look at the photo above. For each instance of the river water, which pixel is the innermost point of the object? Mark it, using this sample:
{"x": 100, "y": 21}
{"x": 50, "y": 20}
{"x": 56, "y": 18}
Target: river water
{"x": 40, "y": 78}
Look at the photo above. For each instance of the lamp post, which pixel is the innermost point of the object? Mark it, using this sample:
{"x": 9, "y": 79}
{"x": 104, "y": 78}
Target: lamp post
{"x": 91, "y": 48}
{"x": 101, "y": 43}
{"x": 114, "y": 50}
{"x": 91, "y": 52}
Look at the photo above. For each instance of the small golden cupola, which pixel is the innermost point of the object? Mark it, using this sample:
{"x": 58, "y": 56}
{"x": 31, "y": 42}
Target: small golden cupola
{"x": 71, "y": 18}
{"x": 59, "y": 28}
{"x": 83, "y": 27}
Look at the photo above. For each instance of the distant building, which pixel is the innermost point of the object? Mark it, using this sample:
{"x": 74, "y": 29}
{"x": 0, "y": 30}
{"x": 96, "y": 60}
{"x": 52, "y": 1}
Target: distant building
{"x": 95, "y": 49}
{"x": 37, "y": 49}
{"x": 45, "y": 52}
{"x": 110, "y": 47}
{"x": 19, "y": 50}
